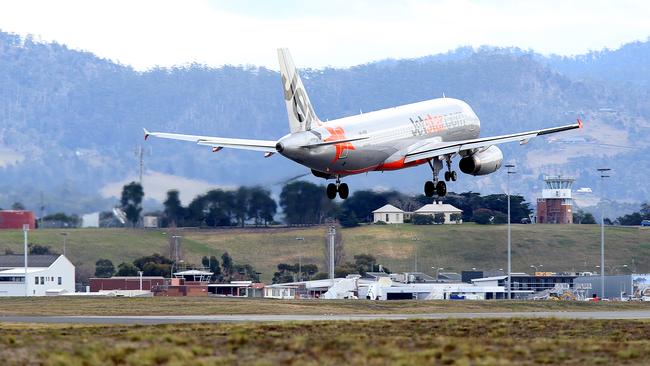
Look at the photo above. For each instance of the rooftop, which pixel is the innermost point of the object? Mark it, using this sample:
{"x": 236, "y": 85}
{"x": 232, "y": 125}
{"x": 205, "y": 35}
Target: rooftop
{"x": 438, "y": 207}
{"x": 388, "y": 208}
{"x": 33, "y": 260}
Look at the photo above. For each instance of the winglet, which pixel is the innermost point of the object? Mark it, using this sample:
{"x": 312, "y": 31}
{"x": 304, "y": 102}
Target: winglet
{"x": 146, "y": 133}
{"x": 579, "y": 123}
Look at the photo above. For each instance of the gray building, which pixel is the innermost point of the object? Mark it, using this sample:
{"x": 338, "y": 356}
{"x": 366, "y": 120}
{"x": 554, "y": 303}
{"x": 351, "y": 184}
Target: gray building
{"x": 614, "y": 285}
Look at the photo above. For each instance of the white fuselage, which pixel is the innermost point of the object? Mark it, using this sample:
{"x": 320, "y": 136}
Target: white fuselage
{"x": 386, "y": 136}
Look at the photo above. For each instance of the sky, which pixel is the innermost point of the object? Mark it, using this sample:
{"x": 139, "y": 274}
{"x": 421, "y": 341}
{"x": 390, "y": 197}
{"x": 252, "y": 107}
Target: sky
{"x": 320, "y": 33}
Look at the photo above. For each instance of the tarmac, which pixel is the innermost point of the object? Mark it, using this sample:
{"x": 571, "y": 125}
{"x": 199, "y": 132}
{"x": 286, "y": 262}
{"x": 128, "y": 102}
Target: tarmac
{"x": 244, "y": 318}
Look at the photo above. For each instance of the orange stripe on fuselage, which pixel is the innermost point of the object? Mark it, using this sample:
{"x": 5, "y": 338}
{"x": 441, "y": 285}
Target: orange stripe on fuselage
{"x": 392, "y": 165}
{"x": 399, "y": 164}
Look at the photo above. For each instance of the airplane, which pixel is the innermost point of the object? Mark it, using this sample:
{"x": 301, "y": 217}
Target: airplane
{"x": 430, "y": 132}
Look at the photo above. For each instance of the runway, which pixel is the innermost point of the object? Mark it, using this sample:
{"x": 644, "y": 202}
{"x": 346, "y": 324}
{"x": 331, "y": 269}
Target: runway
{"x": 176, "y": 319}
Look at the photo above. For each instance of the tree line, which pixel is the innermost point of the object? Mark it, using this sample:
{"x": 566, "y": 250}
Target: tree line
{"x": 155, "y": 264}
{"x": 634, "y": 218}
{"x": 304, "y": 203}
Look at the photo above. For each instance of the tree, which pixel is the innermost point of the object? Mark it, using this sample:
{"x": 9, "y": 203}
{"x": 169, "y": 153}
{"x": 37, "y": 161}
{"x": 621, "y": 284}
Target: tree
{"x": 283, "y": 274}
{"x": 305, "y": 203}
{"x": 226, "y": 265}
{"x": 308, "y": 271}
{"x": 174, "y": 210}
{"x": 156, "y": 269}
{"x": 421, "y": 219}
{"x": 72, "y": 220}
{"x": 365, "y": 263}
{"x": 240, "y": 209}
{"x": 483, "y": 216}
{"x": 131, "y": 201}
{"x": 246, "y": 272}
{"x": 126, "y": 269}
{"x": 348, "y": 219}
{"x": 154, "y": 265}
{"x": 632, "y": 219}
{"x": 212, "y": 263}
{"x": 578, "y": 216}
{"x": 261, "y": 207}
{"x": 18, "y": 206}
{"x": 439, "y": 218}
{"x": 214, "y": 208}
{"x": 588, "y": 219}
{"x": 362, "y": 203}
{"x": 104, "y": 268}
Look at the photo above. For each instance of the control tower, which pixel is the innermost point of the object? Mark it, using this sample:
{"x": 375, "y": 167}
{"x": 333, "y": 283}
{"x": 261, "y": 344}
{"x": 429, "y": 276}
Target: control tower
{"x": 556, "y": 205}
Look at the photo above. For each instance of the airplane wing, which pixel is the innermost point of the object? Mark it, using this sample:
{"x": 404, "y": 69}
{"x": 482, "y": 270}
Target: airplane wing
{"x": 435, "y": 149}
{"x": 218, "y": 142}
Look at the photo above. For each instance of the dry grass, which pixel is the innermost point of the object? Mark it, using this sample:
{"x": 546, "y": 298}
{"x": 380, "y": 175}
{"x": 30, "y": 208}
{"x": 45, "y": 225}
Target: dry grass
{"x": 213, "y": 306}
{"x": 408, "y": 342}
{"x": 456, "y": 248}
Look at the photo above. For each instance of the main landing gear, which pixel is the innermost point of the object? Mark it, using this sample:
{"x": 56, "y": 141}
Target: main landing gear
{"x": 340, "y": 188}
{"x": 437, "y": 187}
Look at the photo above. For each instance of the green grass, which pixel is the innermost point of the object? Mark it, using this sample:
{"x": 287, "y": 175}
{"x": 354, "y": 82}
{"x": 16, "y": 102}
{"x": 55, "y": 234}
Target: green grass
{"x": 406, "y": 342}
{"x": 557, "y": 247}
{"x": 42, "y": 306}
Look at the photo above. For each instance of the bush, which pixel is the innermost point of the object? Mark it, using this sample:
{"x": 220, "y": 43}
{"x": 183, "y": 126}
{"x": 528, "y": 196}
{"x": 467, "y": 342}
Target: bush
{"x": 483, "y": 216}
{"x": 422, "y": 219}
{"x": 380, "y": 223}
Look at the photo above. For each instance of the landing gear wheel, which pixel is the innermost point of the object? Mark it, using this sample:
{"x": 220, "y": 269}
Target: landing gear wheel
{"x": 429, "y": 188}
{"x": 441, "y": 189}
{"x": 454, "y": 176}
{"x": 344, "y": 191}
{"x": 447, "y": 176}
{"x": 331, "y": 191}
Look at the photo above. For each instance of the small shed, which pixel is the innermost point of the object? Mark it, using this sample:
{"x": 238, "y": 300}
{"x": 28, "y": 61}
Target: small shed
{"x": 388, "y": 214}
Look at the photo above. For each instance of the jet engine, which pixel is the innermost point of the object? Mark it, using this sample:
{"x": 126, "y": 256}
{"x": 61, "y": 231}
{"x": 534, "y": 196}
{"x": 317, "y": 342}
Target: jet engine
{"x": 483, "y": 162}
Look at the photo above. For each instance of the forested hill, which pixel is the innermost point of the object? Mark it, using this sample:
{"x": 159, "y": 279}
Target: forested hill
{"x": 70, "y": 122}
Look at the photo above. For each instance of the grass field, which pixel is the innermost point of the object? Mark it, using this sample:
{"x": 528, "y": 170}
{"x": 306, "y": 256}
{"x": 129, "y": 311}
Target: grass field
{"x": 557, "y": 247}
{"x": 42, "y": 306}
{"x": 408, "y": 342}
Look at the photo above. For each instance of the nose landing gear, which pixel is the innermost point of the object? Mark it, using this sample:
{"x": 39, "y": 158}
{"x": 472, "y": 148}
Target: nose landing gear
{"x": 340, "y": 188}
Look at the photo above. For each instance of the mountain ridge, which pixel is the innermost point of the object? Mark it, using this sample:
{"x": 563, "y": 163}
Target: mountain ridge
{"x": 74, "y": 120}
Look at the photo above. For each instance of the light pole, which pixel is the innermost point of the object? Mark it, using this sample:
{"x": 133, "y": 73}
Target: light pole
{"x": 509, "y": 171}
{"x": 25, "y": 230}
{"x": 603, "y": 175}
{"x": 332, "y": 237}
{"x": 438, "y": 273}
{"x": 65, "y": 241}
{"x": 300, "y": 260}
{"x": 415, "y": 253}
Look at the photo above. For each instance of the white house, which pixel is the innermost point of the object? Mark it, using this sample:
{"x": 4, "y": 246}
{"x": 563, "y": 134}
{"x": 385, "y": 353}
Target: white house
{"x": 436, "y": 207}
{"x": 388, "y": 214}
{"x": 46, "y": 274}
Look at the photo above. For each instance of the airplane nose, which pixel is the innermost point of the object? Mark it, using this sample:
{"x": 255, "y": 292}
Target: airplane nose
{"x": 279, "y": 147}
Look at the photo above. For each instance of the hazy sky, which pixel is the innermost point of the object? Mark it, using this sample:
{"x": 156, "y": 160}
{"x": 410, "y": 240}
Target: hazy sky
{"x": 145, "y": 33}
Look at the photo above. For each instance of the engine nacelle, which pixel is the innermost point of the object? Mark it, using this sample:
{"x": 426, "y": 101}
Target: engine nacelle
{"x": 481, "y": 163}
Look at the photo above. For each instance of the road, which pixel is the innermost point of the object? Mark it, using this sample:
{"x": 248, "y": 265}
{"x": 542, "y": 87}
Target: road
{"x": 173, "y": 319}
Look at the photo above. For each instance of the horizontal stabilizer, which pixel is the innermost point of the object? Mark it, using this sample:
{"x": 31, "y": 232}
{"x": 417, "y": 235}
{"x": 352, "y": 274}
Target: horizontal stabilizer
{"x": 218, "y": 142}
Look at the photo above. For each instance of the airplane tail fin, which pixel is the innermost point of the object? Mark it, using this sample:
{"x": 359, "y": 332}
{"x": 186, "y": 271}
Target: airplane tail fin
{"x": 299, "y": 108}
